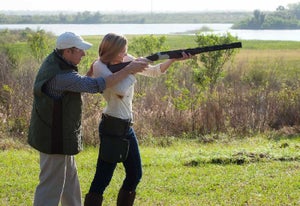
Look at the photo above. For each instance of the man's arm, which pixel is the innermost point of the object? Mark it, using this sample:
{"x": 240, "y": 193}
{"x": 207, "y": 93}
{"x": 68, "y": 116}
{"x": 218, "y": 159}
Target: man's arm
{"x": 74, "y": 82}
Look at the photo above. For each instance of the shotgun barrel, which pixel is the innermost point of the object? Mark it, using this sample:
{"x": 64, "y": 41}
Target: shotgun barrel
{"x": 175, "y": 54}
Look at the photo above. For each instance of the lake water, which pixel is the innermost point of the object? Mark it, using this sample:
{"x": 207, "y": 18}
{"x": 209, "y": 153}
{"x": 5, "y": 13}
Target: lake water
{"x": 101, "y": 29}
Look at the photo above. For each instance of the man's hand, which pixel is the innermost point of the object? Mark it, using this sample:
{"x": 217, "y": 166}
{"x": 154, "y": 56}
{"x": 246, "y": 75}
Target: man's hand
{"x": 137, "y": 65}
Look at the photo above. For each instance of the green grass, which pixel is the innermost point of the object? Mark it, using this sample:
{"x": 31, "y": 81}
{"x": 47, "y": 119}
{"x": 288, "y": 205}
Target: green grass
{"x": 268, "y": 44}
{"x": 281, "y": 48}
{"x": 251, "y": 171}
{"x": 188, "y": 41}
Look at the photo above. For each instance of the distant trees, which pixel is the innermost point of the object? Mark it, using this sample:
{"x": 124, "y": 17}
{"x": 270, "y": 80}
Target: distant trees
{"x": 282, "y": 18}
{"x": 76, "y": 18}
{"x": 88, "y": 17}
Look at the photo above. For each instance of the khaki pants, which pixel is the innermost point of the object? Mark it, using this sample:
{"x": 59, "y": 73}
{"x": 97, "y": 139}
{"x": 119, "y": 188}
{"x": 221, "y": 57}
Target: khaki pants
{"x": 58, "y": 181}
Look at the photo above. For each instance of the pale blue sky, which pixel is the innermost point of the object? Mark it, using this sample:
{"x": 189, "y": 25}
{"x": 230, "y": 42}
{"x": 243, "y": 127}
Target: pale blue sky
{"x": 143, "y": 5}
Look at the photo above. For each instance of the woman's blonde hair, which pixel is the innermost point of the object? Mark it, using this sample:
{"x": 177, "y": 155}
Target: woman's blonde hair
{"x": 111, "y": 45}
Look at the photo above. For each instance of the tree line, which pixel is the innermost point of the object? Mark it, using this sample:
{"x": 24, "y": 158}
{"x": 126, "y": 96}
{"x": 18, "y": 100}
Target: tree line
{"x": 88, "y": 17}
{"x": 282, "y": 18}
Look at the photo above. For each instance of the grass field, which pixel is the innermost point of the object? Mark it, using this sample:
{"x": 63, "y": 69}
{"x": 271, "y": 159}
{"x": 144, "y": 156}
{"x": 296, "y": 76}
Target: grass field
{"x": 249, "y": 171}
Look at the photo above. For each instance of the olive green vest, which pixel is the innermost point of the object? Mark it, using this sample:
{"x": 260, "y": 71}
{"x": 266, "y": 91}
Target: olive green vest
{"x": 55, "y": 126}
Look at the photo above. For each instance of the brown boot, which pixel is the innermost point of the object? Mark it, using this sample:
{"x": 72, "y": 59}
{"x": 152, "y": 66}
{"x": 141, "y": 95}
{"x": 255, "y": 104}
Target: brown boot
{"x": 125, "y": 198}
{"x": 93, "y": 199}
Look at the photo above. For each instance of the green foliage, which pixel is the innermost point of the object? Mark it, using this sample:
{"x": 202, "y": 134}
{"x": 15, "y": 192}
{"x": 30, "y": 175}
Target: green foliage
{"x": 39, "y": 43}
{"x": 183, "y": 93}
{"x": 257, "y": 78}
{"x": 213, "y": 62}
{"x": 295, "y": 9}
{"x": 5, "y": 108}
{"x": 278, "y": 21}
{"x": 12, "y": 57}
{"x": 282, "y": 18}
{"x": 18, "y": 126}
{"x": 145, "y": 45}
{"x": 142, "y": 46}
{"x": 5, "y": 93}
{"x": 8, "y": 36}
{"x": 88, "y": 17}
{"x": 19, "y": 44}
{"x": 188, "y": 86}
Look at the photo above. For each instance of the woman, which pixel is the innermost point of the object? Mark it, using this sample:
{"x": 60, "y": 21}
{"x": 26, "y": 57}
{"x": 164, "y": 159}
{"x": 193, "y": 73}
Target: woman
{"x": 117, "y": 120}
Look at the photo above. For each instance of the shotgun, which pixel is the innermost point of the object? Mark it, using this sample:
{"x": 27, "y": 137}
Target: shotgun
{"x": 175, "y": 54}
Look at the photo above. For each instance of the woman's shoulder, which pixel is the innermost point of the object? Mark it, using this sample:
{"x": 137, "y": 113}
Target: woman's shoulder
{"x": 100, "y": 69}
{"x": 100, "y": 64}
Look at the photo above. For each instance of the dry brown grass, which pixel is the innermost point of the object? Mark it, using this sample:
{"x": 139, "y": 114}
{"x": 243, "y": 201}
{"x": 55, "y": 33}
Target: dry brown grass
{"x": 259, "y": 92}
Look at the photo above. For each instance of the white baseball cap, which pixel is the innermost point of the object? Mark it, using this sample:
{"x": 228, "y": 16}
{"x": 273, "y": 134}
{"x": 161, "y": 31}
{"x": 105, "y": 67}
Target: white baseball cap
{"x": 69, "y": 40}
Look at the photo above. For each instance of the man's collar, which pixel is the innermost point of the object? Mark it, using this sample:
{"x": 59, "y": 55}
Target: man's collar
{"x": 64, "y": 60}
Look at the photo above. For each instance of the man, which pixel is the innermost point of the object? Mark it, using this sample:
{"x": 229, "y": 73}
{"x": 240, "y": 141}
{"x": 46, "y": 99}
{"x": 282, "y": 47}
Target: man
{"x": 55, "y": 126}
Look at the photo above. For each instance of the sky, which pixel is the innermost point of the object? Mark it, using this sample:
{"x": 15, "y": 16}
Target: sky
{"x": 143, "y": 5}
